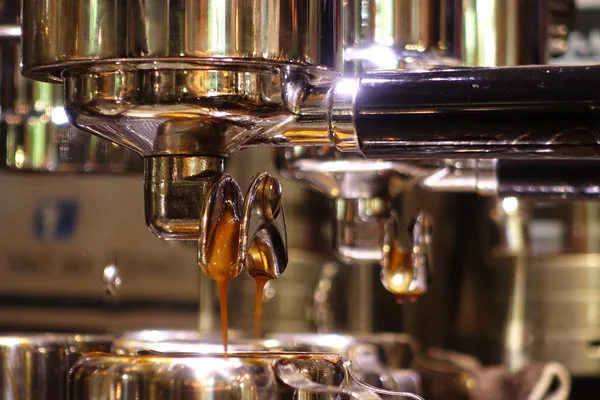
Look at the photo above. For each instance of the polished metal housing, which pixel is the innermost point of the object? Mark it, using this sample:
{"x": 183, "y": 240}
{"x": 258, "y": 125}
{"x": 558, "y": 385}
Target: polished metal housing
{"x": 251, "y": 375}
{"x": 180, "y": 77}
{"x": 246, "y": 33}
{"x": 173, "y": 187}
{"x": 37, "y": 366}
{"x": 391, "y": 35}
{"x": 209, "y": 88}
{"x": 165, "y": 361}
{"x": 415, "y": 36}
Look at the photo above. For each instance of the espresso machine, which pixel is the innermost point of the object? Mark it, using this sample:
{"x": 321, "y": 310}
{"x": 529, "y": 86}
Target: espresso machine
{"x": 427, "y": 140}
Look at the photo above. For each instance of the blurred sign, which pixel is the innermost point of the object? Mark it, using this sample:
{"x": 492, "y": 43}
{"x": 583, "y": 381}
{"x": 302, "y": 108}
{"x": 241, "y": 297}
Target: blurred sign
{"x": 55, "y": 219}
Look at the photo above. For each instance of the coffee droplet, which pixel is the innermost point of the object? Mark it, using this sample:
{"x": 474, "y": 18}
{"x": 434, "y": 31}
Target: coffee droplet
{"x": 399, "y": 275}
{"x": 111, "y": 279}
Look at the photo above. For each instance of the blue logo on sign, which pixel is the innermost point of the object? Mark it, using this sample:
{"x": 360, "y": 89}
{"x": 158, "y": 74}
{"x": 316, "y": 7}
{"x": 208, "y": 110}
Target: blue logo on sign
{"x": 55, "y": 219}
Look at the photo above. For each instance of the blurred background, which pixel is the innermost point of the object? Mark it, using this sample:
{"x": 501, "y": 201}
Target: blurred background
{"x": 509, "y": 277}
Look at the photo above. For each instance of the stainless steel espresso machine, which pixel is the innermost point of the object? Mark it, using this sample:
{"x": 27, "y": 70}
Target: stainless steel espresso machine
{"x": 428, "y": 140}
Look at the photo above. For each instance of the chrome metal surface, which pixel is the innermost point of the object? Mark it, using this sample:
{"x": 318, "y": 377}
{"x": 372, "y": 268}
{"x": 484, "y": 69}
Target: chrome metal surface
{"x": 200, "y": 80}
{"x": 525, "y": 283}
{"x": 359, "y": 228}
{"x": 513, "y": 32}
{"x": 504, "y": 32}
{"x": 36, "y": 366}
{"x": 381, "y": 360}
{"x": 511, "y": 217}
{"x": 477, "y": 176}
{"x": 181, "y": 342}
{"x": 405, "y": 35}
{"x": 211, "y": 88}
{"x": 367, "y": 387}
{"x": 173, "y": 188}
{"x": 111, "y": 278}
{"x": 555, "y": 286}
{"x": 157, "y": 110}
{"x": 394, "y": 350}
{"x": 264, "y": 235}
{"x": 290, "y": 374}
{"x": 377, "y": 35}
{"x": 159, "y": 100}
{"x": 252, "y": 375}
{"x": 339, "y": 175}
{"x": 12, "y": 31}
{"x": 398, "y": 34}
{"x": 206, "y": 79}
{"x": 549, "y": 180}
{"x": 245, "y": 32}
{"x": 555, "y": 107}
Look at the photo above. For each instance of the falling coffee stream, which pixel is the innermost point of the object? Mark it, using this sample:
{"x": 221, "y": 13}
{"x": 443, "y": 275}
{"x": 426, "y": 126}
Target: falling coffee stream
{"x": 223, "y": 262}
{"x": 261, "y": 281}
{"x": 222, "y": 285}
{"x": 261, "y": 267}
{"x": 223, "y": 259}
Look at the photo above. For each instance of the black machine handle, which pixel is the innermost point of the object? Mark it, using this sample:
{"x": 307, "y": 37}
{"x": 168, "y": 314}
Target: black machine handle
{"x": 549, "y": 179}
{"x": 508, "y": 112}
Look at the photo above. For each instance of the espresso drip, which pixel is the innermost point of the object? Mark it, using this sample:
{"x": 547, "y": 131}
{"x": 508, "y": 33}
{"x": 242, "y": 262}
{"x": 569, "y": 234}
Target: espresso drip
{"x": 398, "y": 275}
{"x": 223, "y": 264}
{"x": 261, "y": 281}
{"x": 238, "y": 233}
{"x": 261, "y": 266}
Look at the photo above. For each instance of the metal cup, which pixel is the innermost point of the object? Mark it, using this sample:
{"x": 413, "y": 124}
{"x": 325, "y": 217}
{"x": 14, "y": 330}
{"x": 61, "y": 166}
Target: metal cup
{"x": 36, "y": 366}
{"x": 249, "y": 376}
{"x": 380, "y": 360}
{"x": 178, "y": 342}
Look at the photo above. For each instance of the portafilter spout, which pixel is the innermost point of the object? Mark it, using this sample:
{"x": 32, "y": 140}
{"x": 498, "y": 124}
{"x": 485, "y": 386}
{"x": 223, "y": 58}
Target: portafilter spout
{"x": 184, "y": 84}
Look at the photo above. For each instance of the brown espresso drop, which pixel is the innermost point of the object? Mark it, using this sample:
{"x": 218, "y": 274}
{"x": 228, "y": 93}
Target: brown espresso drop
{"x": 398, "y": 275}
{"x": 223, "y": 263}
